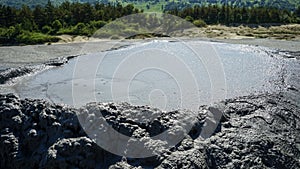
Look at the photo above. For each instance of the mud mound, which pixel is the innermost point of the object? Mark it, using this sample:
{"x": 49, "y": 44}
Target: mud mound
{"x": 255, "y": 131}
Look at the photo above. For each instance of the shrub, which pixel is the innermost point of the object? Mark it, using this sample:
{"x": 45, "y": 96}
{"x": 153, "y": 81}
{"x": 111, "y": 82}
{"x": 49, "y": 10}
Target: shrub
{"x": 8, "y": 35}
{"x": 82, "y": 29}
{"x": 31, "y": 38}
{"x": 79, "y": 26}
{"x": 97, "y": 24}
{"x": 69, "y": 31}
{"x": 199, "y": 23}
{"x": 189, "y": 19}
{"x": 46, "y": 29}
{"x": 12, "y": 32}
{"x": 79, "y": 29}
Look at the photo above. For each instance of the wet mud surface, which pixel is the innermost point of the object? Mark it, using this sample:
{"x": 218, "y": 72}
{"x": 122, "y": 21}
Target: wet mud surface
{"x": 207, "y": 73}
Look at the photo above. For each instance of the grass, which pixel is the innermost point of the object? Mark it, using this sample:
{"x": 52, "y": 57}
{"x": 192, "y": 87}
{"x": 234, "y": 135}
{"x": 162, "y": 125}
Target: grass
{"x": 79, "y": 29}
{"x": 286, "y": 32}
{"x": 12, "y": 37}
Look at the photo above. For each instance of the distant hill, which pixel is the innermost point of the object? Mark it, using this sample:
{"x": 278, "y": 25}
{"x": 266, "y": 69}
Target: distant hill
{"x": 160, "y": 5}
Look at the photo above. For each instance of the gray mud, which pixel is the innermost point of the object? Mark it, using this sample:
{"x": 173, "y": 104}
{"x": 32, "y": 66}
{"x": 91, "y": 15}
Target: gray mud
{"x": 36, "y": 58}
{"x": 12, "y": 73}
{"x": 16, "y": 56}
{"x": 238, "y": 69}
{"x": 284, "y": 45}
{"x": 255, "y": 131}
{"x": 260, "y": 131}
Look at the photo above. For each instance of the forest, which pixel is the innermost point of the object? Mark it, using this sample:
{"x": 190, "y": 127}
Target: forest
{"x": 27, "y": 25}
{"x": 38, "y": 25}
{"x": 228, "y": 15}
{"x": 160, "y": 5}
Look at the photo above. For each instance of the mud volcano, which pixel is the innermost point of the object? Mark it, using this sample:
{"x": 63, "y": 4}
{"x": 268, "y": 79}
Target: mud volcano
{"x": 259, "y": 130}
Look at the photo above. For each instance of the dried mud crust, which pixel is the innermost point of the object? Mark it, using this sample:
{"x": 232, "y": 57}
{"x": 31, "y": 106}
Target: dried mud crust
{"x": 260, "y": 131}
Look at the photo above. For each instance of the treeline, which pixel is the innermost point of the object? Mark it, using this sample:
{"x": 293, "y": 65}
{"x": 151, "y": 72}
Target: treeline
{"x": 38, "y": 25}
{"x": 225, "y": 14}
{"x": 30, "y": 26}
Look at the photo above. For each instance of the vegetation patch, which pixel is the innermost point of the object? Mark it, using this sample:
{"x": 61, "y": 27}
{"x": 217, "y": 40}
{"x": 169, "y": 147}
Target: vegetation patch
{"x": 35, "y": 38}
{"x": 41, "y": 24}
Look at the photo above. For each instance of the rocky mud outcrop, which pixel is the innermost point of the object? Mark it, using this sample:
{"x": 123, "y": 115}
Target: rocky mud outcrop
{"x": 11, "y": 73}
{"x": 258, "y": 131}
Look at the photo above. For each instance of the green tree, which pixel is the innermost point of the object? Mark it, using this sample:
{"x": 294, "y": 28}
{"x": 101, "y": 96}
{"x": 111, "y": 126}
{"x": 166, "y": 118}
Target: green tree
{"x": 25, "y": 17}
{"x": 49, "y": 12}
{"x": 297, "y": 12}
{"x": 56, "y": 25}
{"x": 39, "y": 16}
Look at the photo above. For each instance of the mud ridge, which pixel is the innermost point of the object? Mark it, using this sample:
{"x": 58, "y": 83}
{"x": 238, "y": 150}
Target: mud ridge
{"x": 257, "y": 131}
{"x": 12, "y": 73}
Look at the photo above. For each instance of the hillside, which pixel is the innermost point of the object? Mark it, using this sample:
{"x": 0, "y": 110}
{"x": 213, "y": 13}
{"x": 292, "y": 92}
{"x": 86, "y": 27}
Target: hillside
{"x": 160, "y": 5}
